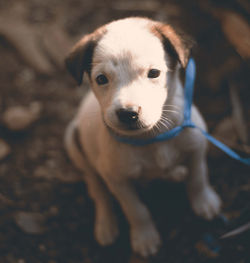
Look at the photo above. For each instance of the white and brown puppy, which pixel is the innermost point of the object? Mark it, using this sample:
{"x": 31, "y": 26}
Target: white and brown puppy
{"x": 133, "y": 66}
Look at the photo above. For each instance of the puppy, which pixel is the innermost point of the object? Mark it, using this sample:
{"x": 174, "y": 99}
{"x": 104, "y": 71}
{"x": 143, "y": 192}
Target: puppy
{"x": 133, "y": 66}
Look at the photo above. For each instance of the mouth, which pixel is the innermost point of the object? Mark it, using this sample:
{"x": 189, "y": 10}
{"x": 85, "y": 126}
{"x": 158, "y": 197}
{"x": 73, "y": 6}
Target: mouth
{"x": 128, "y": 130}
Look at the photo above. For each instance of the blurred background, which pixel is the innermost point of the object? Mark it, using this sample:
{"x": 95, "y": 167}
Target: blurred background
{"x": 45, "y": 212}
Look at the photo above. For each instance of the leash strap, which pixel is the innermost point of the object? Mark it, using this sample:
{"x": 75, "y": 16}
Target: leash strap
{"x": 187, "y": 123}
{"x": 188, "y": 95}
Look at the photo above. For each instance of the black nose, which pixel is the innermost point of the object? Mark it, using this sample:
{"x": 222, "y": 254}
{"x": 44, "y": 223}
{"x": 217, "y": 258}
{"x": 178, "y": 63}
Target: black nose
{"x": 128, "y": 115}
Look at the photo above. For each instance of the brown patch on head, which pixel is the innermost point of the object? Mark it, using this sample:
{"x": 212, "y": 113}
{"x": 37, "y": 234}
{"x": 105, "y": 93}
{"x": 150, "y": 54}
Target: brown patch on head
{"x": 177, "y": 44}
{"x": 79, "y": 59}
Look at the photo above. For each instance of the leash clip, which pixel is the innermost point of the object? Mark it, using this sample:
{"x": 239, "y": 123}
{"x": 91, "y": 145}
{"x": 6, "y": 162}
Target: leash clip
{"x": 188, "y": 124}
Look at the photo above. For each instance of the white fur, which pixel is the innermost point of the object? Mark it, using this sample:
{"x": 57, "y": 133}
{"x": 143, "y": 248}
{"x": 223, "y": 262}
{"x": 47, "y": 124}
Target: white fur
{"x": 109, "y": 165}
{"x": 122, "y": 60}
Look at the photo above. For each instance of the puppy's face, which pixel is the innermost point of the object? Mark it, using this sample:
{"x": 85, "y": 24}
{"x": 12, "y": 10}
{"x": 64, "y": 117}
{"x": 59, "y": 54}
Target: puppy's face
{"x": 128, "y": 72}
{"x": 129, "y": 78}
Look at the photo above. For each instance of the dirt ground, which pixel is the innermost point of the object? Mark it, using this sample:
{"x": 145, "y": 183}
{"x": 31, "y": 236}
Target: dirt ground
{"x": 45, "y": 212}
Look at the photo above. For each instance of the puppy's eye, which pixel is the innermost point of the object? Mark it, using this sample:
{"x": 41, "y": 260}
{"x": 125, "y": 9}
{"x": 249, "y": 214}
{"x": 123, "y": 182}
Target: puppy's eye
{"x": 154, "y": 73}
{"x": 101, "y": 79}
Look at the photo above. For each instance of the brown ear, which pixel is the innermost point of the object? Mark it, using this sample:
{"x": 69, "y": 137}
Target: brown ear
{"x": 79, "y": 59}
{"x": 177, "y": 44}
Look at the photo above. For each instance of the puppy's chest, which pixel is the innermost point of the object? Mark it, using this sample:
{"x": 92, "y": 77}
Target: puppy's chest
{"x": 154, "y": 162}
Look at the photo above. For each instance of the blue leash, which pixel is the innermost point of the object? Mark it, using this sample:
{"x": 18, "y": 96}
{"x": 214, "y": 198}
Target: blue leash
{"x": 187, "y": 123}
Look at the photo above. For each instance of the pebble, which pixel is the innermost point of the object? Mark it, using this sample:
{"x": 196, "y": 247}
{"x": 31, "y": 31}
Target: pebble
{"x": 4, "y": 149}
{"x": 30, "y": 223}
{"x": 42, "y": 247}
{"x": 54, "y": 211}
{"x": 18, "y": 118}
{"x": 26, "y": 76}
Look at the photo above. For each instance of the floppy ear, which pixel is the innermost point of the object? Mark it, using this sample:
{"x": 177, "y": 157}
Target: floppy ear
{"x": 79, "y": 59}
{"x": 177, "y": 44}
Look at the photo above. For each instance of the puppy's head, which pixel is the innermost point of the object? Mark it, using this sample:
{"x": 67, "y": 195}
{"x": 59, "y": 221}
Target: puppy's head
{"x": 127, "y": 62}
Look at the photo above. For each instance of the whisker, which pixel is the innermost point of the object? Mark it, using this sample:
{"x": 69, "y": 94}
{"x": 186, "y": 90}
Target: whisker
{"x": 170, "y": 110}
{"x": 172, "y": 105}
{"x": 153, "y": 130}
{"x": 158, "y": 125}
{"x": 165, "y": 124}
{"x": 173, "y": 111}
{"x": 167, "y": 119}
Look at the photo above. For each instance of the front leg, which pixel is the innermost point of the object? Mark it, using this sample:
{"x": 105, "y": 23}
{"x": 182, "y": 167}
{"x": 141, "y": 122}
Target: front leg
{"x": 204, "y": 200}
{"x": 145, "y": 239}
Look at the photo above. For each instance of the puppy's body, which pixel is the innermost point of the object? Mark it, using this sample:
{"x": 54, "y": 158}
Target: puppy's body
{"x": 126, "y": 54}
{"x": 150, "y": 161}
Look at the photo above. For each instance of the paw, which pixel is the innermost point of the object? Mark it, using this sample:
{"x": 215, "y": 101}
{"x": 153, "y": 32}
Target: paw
{"x": 145, "y": 240}
{"x": 106, "y": 230}
{"x": 206, "y": 203}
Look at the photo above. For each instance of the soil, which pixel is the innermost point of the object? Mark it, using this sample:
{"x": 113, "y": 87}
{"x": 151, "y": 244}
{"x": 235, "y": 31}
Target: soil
{"x": 45, "y": 212}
